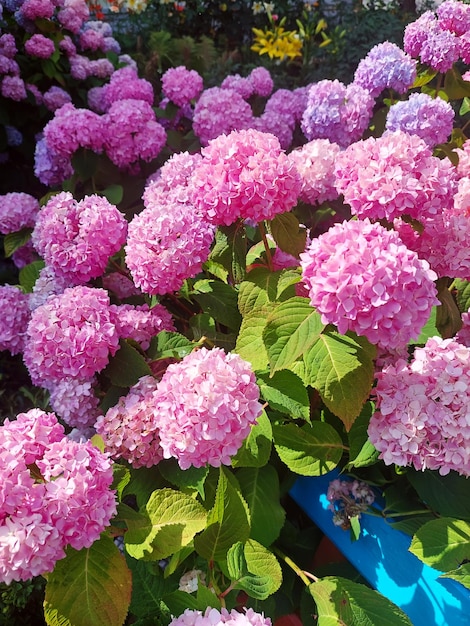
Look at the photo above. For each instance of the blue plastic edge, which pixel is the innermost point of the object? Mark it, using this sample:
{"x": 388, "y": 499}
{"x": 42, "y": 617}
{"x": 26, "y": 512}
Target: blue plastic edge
{"x": 381, "y": 556}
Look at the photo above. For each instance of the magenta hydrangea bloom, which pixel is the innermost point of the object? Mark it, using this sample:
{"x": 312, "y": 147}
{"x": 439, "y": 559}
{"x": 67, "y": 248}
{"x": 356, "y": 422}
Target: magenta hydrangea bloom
{"x": 70, "y": 503}
{"x": 386, "y": 66}
{"x": 91, "y": 40}
{"x": 71, "y": 335}
{"x": 129, "y": 429}
{"x": 423, "y": 407}
{"x": 13, "y": 87}
{"x": 181, "y": 85}
{"x": 75, "y": 402}
{"x": 432, "y": 119}
{"x": 8, "y": 45}
{"x": 244, "y": 175}
{"x": 32, "y": 9}
{"x": 207, "y": 404}
{"x": 463, "y": 166}
{"x": 141, "y": 323}
{"x": 17, "y": 210}
{"x": 360, "y": 277}
{"x": 427, "y": 40}
{"x": 125, "y": 84}
{"x": 315, "y": 162}
{"x": 39, "y": 46}
{"x": 454, "y": 16}
{"x": 175, "y": 172}
{"x": 394, "y": 175}
{"x": 72, "y": 128}
{"x": 214, "y": 617}
{"x": 167, "y": 243}
{"x": 219, "y": 111}
{"x": 55, "y": 97}
{"x": 337, "y": 112}
{"x": 76, "y": 239}
{"x": 14, "y": 305}
{"x": 239, "y": 84}
{"x": 73, "y": 14}
{"x": 261, "y": 81}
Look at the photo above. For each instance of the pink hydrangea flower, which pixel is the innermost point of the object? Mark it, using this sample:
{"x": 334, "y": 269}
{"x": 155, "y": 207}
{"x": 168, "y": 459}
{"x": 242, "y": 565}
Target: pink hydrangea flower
{"x": 181, "y": 85}
{"x": 91, "y": 40}
{"x": 454, "y": 16}
{"x": 214, "y": 617}
{"x": 55, "y": 97}
{"x": 75, "y": 402}
{"x": 39, "y": 46}
{"x": 67, "y": 46}
{"x": 423, "y": 407}
{"x": 220, "y": 111}
{"x": 276, "y": 124}
{"x": 141, "y": 323}
{"x": 120, "y": 285}
{"x": 129, "y": 429}
{"x": 32, "y": 9}
{"x": 73, "y": 14}
{"x": 394, "y": 175}
{"x": 289, "y": 105}
{"x": 175, "y": 172}
{"x": 425, "y": 39}
{"x": 463, "y": 336}
{"x": 239, "y": 84}
{"x": 167, "y": 243}
{"x": 261, "y": 81}
{"x": 125, "y": 84}
{"x": 47, "y": 284}
{"x": 13, "y": 87}
{"x": 71, "y": 335}
{"x": 463, "y": 166}
{"x": 362, "y": 278}
{"x": 24, "y": 255}
{"x": 14, "y": 305}
{"x": 72, "y": 128}
{"x": 207, "y": 404}
{"x": 17, "y": 210}
{"x": 315, "y": 162}
{"x": 337, "y": 112}
{"x": 244, "y": 175}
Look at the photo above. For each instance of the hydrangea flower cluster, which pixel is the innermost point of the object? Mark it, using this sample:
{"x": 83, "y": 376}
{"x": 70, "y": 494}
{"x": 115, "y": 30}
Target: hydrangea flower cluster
{"x": 141, "y": 323}
{"x": 76, "y": 239}
{"x": 14, "y": 305}
{"x": 315, "y": 162}
{"x": 463, "y": 336}
{"x": 181, "y": 85}
{"x": 214, "y": 617}
{"x": 361, "y": 277}
{"x": 39, "y": 46}
{"x": 47, "y": 284}
{"x": 348, "y": 499}
{"x": 394, "y": 175}
{"x": 244, "y": 174}
{"x": 386, "y": 66}
{"x": 55, "y": 98}
{"x": 432, "y": 119}
{"x": 175, "y": 172}
{"x": 125, "y": 84}
{"x": 71, "y": 129}
{"x": 71, "y": 335}
{"x": 54, "y": 492}
{"x": 49, "y": 167}
{"x": 337, "y": 112}
{"x": 463, "y": 166}
{"x": 423, "y": 409}
{"x": 75, "y": 402}
{"x": 17, "y": 210}
{"x": 207, "y": 404}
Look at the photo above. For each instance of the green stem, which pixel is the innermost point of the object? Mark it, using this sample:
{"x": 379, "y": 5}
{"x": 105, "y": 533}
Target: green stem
{"x": 269, "y": 257}
{"x": 305, "y": 577}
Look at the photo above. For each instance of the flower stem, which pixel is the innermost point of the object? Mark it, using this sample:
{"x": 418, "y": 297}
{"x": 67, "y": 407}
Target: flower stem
{"x": 305, "y": 577}
{"x": 269, "y": 258}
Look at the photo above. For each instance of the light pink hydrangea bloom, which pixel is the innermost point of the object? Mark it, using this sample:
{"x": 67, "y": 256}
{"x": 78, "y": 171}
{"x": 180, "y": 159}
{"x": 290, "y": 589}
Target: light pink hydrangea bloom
{"x": 175, "y": 172}
{"x": 141, "y": 323}
{"x": 17, "y": 210}
{"x": 261, "y": 81}
{"x": 181, "y": 85}
{"x": 39, "y": 46}
{"x": 14, "y": 305}
{"x": 71, "y": 335}
{"x": 129, "y": 429}
{"x": 315, "y": 162}
{"x": 220, "y": 111}
{"x": 423, "y": 408}
{"x": 433, "y": 45}
{"x": 75, "y": 402}
{"x": 361, "y": 277}
{"x": 76, "y": 239}
{"x": 463, "y": 336}
{"x": 214, "y": 617}
{"x": 244, "y": 175}
{"x": 32, "y": 9}
{"x": 394, "y": 175}
{"x": 207, "y": 404}
{"x": 72, "y": 128}
{"x": 463, "y": 166}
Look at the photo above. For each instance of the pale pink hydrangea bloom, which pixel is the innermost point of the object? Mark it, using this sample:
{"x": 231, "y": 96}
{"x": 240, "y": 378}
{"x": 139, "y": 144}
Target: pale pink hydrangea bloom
{"x": 39, "y": 46}
{"x": 207, "y": 404}
{"x": 463, "y": 336}
{"x": 75, "y": 402}
{"x": 361, "y": 277}
{"x": 129, "y": 429}
{"x": 17, "y": 210}
{"x": 72, "y": 128}
{"x": 175, "y": 172}
{"x": 47, "y": 284}
{"x": 14, "y": 88}
{"x": 181, "y": 85}
{"x": 125, "y": 84}
{"x": 70, "y": 504}
{"x": 427, "y": 40}
{"x": 239, "y": 84}
{"x": 55, "y": 97}
{"x": 76, "y": 239}
{"x": 141, "y": 323}
{"x": 315, "y": 162}
{"x": 71, "y": 335}
{"x": 167, "y": 242}
{"x": 261, "y": 81}
{"x": 214, "y": 617}
{"x": 463, "y": 166}
{"x": 244, "y": 175}
{"x": 423, "y": 408}
{"x": 220, "y": 111}
{"x": 394, "y": 175}
{"x": 14, "y": 305}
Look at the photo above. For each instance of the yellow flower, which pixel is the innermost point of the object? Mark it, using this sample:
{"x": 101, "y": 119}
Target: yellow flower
{"x": 277, "y": 43}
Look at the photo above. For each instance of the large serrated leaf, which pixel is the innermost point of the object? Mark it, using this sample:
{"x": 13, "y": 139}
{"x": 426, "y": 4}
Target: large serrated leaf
{"x": 168, "y": 344}
{"x": 265, "y": 574}
{"x": 250, "y": 345}
{"x": 29, "y": 274}
{"x": 285, "y": 392}
{"x": 292, "y": 328}
{"x": 148, "y": 589}
{"x": 341, "y": 368}
{"x": 288, "y": 234}
{"x": 168, "y": 522}
{"x": 256, "y": 449}
{"x": 461, "y": 575}
{"x": 219, "y": 301}
{"x": 126, "y": 366}
{"x": 443, "y": 544}
{"x": 90, "y": 587}
{"x": 309, "y": 450}
{"x": 13, "y": 241}
{"x": 343, "y": 602}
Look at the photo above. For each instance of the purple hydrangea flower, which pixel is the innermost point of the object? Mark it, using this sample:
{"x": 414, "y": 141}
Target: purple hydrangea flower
{"x": 386, "y": 66}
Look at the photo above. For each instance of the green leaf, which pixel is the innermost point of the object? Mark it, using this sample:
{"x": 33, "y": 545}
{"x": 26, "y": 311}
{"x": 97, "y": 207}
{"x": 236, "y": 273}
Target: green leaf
{"x": 341, "y": 368}
{"x": 424, "y": 78}
{"x": 219, "y": 301}
{"x": 260, "y": 488}
{"x": 445, "y": 495}
{"x": 227, "y": 522}
{"x": 462, "y": 289}
{"x": 29, "y": 274}
{"x": 121, "y": 478}
{"x": 229, "y": 250}
{"x": 148, "y": 589}
{"x": 191, "y": 478}
{"x": 429, "y": 329}
{"x": 113, "y": 193}
{"x": 461, "y": 575}
{"x": 341, "y": 601}
{"x": 292, "y": 328}
{"x": 168, "y": 522}
{"x": 127, "y": 366}
{"x": 166, "y": 345}
{"x": 250, "y": 344}
{"x": 308, "y": 450}
{"x": 236, "y": 562}
{"x": 13, "y": 241}
{"x": 361, "y": 451}
{"x": 90, "y": 587}
{"x": 288, "y": 234}
{"x": 465, "y": 106}
{"x": 264, "y": 572}
{"x": 256, "y": 448}
{"x": 85, "y": 163}
{"x": 285, "y": 392}
{"x": 454, "y": 86}
{"x": 443, "y": 544}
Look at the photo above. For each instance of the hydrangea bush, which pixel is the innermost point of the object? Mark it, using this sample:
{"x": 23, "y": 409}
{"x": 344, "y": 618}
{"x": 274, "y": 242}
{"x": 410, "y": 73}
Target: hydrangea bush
{"x": 223, "y": 288}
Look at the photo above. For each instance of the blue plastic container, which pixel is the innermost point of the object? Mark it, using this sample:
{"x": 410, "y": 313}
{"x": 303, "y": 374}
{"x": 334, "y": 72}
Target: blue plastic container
{"x": 381, "y": 555}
